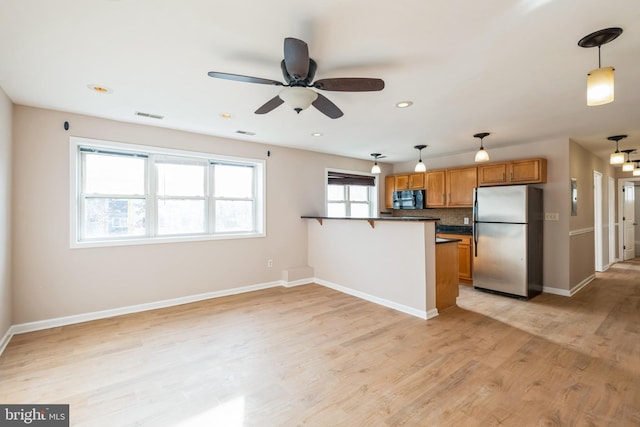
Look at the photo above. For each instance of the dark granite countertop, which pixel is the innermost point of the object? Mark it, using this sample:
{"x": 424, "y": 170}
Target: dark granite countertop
{"x": 383, "y": 218}
{"x": 454, "y": 229}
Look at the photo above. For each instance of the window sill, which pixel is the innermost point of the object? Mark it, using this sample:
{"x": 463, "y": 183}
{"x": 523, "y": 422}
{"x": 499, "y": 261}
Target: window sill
{"x": 161, "y": 240}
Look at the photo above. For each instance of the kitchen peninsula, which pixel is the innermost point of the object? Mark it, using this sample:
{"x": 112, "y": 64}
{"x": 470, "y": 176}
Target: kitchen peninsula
{"x": 389, "y": 260}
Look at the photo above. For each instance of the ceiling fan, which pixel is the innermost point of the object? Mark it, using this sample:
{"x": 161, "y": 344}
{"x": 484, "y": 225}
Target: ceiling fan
{"x": 298, "y": 71}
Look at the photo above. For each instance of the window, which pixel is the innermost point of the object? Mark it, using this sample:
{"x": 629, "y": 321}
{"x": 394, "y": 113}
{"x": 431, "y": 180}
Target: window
{"x": 350, "y": 195}
{"x": 132, "y": 194}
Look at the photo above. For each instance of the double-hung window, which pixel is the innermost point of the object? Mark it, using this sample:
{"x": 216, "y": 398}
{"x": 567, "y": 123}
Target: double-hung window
{"x": 128, "y": 194}
{"x": 350, "y": 194}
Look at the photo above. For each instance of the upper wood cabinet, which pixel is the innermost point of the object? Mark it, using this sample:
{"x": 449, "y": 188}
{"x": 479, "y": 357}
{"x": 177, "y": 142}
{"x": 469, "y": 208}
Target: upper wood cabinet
{"x": 436, "y": 189}
{"x": 389, "y": 188}
{"x": 528, "y": 171}
{"x": 412, "y": 181}
{"x": 460, "y": 184}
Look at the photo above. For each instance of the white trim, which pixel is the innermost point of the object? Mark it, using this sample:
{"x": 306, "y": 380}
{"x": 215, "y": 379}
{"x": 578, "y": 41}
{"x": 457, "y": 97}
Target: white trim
{"x": 380, "y": 301}
{"x": 5, "y": 339}
{"x": 103, "y": 314}
{"x": 582, "y": 284}
{"x": 556, "y": 291}
{"x": 581, "y": 231}
{"x": 22, "y": 328}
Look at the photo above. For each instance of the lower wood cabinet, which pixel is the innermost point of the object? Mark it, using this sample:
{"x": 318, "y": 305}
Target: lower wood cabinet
{"x": 465, "y": 256}
{"x": 446, "y": 275}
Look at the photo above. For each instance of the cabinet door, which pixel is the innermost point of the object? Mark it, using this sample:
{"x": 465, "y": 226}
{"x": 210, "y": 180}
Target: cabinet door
{"x": 527, "y": 171}
{"x": 389, "y": 188}
{"x": 416, "y": 181}
{"x": 401, "y": 182}
{"x": 465, "y": 258}
{"x": 493, "y": 174}
{"x": 435, "y": 189}
{"x": 460, "y": 185}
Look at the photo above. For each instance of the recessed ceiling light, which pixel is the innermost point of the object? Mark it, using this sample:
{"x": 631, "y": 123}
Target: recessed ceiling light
{"x": 316, "y": 134}
{"x": 225, "y": 115}
{"x": 404, "y": 104}
{"x": 99, "y": 89}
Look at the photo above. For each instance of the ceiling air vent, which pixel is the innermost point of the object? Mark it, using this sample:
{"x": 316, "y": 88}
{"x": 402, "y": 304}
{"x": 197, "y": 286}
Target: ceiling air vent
{"x": 246, "y": 132}
{"x": 152, "y": 116}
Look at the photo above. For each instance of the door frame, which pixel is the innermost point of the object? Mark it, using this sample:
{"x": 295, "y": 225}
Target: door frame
{"x": 621, "y": 182}
{"x": 597, "y": 220}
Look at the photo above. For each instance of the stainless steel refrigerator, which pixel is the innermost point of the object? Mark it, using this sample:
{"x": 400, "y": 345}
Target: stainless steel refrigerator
{"x": 507, "y": 233}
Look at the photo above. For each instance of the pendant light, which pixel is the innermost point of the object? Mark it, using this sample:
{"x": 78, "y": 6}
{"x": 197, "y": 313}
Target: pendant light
{"x": 481, "y": 155}
{"x": 420, "y": 167}
{"x": 600, "y": 80}
{"x": 636, "y": 171}
{"x": 628, "y": 166}
{"x": 375, "y": 168}
{"x": 617, "y": 157}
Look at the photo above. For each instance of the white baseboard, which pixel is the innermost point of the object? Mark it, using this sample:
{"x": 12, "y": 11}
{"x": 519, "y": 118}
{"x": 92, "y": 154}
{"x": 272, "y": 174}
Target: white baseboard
{"x": 582, "y": 284}
{"x": 380, "y": 301}
{"x": 556, "y": 291}
{"x": 22, "y": 328}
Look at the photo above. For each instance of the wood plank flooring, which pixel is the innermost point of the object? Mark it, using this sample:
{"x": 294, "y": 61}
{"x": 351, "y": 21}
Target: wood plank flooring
{"x": 315, "y": 357}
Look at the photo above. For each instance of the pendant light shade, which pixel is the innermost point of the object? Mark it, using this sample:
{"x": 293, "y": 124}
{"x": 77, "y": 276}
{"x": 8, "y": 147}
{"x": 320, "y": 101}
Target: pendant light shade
{"x": 600, "y": 86}
{"x": 375, "y": 168}
{"x": 617, "y": 157}
{"x": 481, "y": 155}
{"x": 636, "y": 171}
{"x": 298, "y": 98}
{"x": 420, "y": 167}
{"x": 628, "y": 166}
{"x": 600, "y": 81}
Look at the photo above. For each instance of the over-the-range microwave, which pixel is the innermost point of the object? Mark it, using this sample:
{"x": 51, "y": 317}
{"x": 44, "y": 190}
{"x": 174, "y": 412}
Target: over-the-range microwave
{"x": 409, "y": 199}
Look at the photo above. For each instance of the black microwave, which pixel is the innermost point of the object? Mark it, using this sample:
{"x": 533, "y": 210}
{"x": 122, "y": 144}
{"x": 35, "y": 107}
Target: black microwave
{"x": 408, "y": 199}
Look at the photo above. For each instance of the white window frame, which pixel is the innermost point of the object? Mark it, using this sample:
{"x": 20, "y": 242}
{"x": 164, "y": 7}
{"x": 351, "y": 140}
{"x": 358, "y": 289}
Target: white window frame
{"x": 259, "y": 191}
{"x": 373, "y": 192}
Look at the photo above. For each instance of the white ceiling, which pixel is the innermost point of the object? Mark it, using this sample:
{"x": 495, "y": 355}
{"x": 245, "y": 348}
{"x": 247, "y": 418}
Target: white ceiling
{"x": 509, "y": 67}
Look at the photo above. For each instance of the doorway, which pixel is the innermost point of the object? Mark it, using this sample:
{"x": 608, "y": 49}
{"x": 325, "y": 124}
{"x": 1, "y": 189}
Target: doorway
{"x": 626, "y": 218}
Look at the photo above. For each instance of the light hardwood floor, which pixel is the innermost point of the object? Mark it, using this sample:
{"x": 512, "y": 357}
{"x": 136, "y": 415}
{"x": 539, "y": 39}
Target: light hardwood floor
{"x": 312, "y": 356}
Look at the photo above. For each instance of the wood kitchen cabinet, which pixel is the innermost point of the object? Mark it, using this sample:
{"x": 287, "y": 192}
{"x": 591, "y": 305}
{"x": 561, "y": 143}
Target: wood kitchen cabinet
{"x": 460, "y": 184}
{"x": 447, "y": 289}
{"x": 436, "y": 189}
{"x": 465, "y": 255}
{"x": 527, "y": 171}
{"x": 412, "y": 181}
{"x": 389, "y": 188}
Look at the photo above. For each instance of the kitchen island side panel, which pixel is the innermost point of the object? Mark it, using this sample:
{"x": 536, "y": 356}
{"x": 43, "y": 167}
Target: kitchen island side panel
{"x": 392, "y": 262}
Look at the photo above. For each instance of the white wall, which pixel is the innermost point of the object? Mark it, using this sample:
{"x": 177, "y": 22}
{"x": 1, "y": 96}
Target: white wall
{"x": 556, "y": 198}
{"x": 51, "y": 280}
{"x": 5, "y": 214}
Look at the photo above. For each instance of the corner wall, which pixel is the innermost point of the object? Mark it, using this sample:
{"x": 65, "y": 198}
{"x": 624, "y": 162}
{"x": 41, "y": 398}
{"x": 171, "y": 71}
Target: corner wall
{"x": 51, "y": 280}
{"x": 582, "y": 166}
{"x": 6, "y": 311}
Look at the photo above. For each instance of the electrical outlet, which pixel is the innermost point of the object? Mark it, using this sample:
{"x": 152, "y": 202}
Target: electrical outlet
{"x": 269, "y": 263}
{"x": 466, "y": 221}
{"x": 551, "y": 216}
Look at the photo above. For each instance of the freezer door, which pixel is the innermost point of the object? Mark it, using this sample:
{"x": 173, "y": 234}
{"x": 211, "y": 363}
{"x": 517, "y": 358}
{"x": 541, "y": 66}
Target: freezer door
{"x": 501, "y": 204}
{"x": 501, "y": 260}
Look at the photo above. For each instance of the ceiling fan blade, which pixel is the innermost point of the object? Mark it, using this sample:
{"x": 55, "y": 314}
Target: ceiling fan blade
{"x": 270, "y": 105}
{"x": 296, "y": 58}
{"x": 327, "y": 107}
{"x": 350, "y": 84}
{"x": 246, "y": 79}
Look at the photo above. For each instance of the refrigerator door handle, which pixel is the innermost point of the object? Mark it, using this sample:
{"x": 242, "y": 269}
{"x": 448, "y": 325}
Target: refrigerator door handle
{"x": 475, "y": 221}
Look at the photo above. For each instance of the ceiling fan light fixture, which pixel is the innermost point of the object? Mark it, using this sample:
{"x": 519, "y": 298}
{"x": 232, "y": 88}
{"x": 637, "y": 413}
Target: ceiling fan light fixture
{"x": 600, "y": 80}
{"x": 420, "y": 166}
{"x": 298, "y": 98}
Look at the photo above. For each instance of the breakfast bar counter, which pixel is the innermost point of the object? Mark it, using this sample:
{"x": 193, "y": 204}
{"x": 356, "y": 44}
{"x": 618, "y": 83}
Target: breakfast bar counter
{"x": 388, "y": 260}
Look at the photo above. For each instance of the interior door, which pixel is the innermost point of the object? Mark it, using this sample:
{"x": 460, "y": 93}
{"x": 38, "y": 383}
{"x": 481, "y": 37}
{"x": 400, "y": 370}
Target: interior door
{"x": 628, "y": 221}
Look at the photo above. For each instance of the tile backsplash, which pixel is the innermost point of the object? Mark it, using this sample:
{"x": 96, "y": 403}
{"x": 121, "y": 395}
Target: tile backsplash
{"x": 449, "y": 216}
